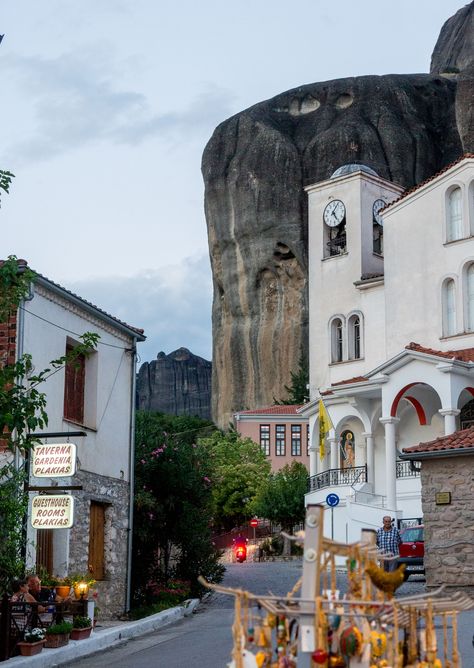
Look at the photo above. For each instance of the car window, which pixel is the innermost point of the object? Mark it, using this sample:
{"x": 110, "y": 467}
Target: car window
{"x": 411, "y": 535}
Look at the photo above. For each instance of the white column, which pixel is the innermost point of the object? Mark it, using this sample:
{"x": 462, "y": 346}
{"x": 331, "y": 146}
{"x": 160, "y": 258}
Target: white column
{"x": 370, "y": 457}
{"x": 449, "y": 415}
{"x": 333, "y": 443}
{"x": 390, "y": 425}
{"x": 313, "y": 462}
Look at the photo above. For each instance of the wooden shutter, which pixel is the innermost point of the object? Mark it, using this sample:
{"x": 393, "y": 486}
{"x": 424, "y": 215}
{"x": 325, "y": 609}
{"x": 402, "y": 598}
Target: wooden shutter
{"x": 44, "y": 550}
{"x": 74, "y": 387}
{"x": 96, "y": 540}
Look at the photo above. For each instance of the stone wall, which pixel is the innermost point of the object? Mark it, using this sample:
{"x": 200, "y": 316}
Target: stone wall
{"x": 448, "y": 524}
{"x": 114, "y": 494}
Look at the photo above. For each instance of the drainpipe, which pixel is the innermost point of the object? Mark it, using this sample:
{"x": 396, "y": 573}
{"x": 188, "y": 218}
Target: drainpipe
{"x": 133, "y": 356}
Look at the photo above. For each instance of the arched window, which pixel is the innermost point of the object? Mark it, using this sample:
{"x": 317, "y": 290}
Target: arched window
{"x": 454, "y": 219}
{"x": 355, "y": 341}
{"x": 336, "y": 340}
{"x": 470, "y": 298}
{"x": 449, "y": 308}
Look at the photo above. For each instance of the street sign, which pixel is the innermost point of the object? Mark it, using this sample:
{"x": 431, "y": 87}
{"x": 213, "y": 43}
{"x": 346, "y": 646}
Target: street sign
{"x": 332, "y": 500}
{"x": 254, "y": 523}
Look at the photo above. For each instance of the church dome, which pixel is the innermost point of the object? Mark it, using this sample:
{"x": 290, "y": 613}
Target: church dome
{"x": 351, "y": 168}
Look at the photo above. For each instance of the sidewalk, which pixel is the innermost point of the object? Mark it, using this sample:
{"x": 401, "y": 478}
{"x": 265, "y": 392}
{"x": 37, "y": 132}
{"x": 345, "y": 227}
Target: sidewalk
{"x": 103, "y": 637}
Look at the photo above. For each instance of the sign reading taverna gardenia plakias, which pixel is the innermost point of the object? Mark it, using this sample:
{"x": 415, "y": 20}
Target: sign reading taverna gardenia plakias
{"x": 54, "y": 461}
{"x": 52, "y": 511}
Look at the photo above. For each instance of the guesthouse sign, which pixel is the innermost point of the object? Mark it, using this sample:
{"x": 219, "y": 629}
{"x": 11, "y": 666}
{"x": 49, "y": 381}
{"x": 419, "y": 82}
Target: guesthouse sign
{"x": 52, "y": 511}
{"x": 54, "y": 461}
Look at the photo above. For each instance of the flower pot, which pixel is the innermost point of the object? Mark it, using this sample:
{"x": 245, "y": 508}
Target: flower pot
{"x": 54, "y": 640}
{"x": 63, "y": 590}
{"x": 81, "y": 634}
{"x": 30, "y": 648}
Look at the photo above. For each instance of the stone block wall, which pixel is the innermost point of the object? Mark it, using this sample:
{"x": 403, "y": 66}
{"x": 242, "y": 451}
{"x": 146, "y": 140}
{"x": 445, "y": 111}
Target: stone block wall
{"x": 445, "y": 525}
{"x": 114, "y": 494}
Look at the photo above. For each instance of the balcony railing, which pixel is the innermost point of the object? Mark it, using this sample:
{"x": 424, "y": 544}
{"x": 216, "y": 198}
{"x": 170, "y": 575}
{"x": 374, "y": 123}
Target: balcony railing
{"x": 335, "y": 477}
{"x": 404, "y": 470}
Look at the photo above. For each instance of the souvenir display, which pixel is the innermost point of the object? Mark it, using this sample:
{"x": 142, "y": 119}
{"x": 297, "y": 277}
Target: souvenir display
{"x": 366, "y": 628}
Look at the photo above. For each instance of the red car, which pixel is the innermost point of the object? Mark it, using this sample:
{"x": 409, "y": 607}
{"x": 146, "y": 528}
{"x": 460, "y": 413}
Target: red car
{"x": 412, "y": 550}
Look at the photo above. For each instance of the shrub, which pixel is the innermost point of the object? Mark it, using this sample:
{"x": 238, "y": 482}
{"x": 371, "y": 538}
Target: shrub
{"x": 59, "y": 629}
{"x": 81, "y": 622}
{"x": 172, "y": 592}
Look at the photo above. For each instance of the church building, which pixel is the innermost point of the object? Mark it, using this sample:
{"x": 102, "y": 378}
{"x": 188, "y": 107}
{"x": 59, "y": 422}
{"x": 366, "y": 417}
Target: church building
{"x": 391, "y": 294}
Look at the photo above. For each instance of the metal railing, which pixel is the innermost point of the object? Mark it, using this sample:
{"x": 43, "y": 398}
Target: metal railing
{"x": 334, "y": 477}
{"x": 404, "y": 470}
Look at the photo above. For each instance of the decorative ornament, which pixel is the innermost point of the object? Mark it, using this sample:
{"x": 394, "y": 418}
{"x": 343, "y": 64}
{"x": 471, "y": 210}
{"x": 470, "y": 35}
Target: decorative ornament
{"x": 319, "y": 656}
{"x": 250, "y": 634}
{"x": 336, "y": 661}
{"x": 260, "y": 658}
{"x": 350, "y": 641}
{"x": 262, "y": 639}
{"x": 378, "y": 642}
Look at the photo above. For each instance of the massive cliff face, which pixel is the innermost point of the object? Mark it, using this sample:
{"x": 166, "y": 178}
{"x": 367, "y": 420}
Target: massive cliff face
{"x": 177, "y": 384}
{"x": 406, "y": 127}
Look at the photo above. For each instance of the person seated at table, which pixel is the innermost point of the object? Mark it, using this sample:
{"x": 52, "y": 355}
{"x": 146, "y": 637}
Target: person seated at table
{"x": 42, "y": 595}
{"x": 21, "y": 593}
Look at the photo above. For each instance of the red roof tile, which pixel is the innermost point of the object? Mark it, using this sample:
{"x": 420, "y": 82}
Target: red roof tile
{"x": 273, "y": 410}
{"x": 464, "y": 355}
{"x": 356, "y": 379}
{"x": 431, "y": 178}
{"x": 459, "y": 440}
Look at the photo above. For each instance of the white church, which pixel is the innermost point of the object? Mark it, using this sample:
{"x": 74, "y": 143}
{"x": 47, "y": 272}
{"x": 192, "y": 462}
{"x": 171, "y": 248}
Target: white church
{"x": 391, "y": 293}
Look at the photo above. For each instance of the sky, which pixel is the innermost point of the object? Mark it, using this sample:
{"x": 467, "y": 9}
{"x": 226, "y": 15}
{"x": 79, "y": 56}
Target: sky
{"x": 107, "y": 106}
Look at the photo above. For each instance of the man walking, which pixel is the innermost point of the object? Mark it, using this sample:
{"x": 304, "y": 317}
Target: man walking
{"x": 388, "y": 540}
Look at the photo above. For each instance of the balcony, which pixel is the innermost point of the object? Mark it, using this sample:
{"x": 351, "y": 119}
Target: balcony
{"x": 404, "y": 470}
{"x": 334, "y": 477}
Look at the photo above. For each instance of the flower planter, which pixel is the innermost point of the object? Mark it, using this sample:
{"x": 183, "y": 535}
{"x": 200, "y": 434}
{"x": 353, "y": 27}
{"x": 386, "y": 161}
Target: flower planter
{"x": 63, "y": 590}
{"x": 30, "y": 648}
{"x": 81, "y": 634}
{"x": 54, "y": 640}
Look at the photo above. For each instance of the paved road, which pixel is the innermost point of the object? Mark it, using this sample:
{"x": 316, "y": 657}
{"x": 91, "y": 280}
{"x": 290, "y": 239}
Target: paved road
{"x": 205, "y": 639}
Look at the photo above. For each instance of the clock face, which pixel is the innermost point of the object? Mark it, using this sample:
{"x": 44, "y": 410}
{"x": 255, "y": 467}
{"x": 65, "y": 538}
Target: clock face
{"x": 334, "y": 213}
{"x": 377, "y": 205}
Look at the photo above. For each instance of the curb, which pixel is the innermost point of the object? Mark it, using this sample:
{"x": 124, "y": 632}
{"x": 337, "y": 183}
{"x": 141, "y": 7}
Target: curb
{"x": 99, "y": 640}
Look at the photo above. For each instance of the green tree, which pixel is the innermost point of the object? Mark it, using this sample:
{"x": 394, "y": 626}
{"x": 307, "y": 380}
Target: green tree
{"x": 173, "y": 503}
{"x": 240, "y": 469}
{"x": 281, "y": 499}
{"x": 22, "y": 412}
{"x": 298, "y": 392}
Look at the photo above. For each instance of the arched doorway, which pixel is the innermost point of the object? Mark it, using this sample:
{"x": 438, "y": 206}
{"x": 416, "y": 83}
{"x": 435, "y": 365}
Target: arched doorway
{"x": 347, "y": 450}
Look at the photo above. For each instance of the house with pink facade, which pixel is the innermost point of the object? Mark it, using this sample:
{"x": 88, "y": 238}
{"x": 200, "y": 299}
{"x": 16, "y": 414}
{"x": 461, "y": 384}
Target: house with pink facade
{"x": 279, "y": 430}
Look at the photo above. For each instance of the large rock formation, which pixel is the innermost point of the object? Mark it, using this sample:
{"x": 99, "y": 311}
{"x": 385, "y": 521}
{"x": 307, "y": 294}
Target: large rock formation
{"x": 177, "y": 384}
{"x": 406, "y": 127}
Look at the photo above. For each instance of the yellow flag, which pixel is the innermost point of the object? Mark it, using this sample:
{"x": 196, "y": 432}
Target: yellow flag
{"x": 325, "y": 425}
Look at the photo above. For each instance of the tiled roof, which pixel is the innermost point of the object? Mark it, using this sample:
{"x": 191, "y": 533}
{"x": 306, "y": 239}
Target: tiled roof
{"x": 464, "y": 355}
{"x": 356, "y": 379}
{"x": 431, "y": 178}
{"x": 22, "y": 264}
{"x": 273, "y": 410}
{"x": 459, "y": 440}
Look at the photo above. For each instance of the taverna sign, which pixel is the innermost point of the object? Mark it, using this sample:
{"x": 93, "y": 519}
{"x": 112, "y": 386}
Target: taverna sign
{"x": 54, "y": 461}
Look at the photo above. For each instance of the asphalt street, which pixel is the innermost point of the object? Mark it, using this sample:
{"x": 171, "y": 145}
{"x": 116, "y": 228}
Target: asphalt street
{"x": 205, "y": 638}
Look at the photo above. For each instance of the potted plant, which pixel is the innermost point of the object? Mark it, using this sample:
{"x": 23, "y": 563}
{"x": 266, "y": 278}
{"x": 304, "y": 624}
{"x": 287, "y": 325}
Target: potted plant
{"x": 32, "y": 642}
{"x": 80, "y": 582}
{"x": 63, "y": 587}
{"x": 81, "y": 628}
{"x": 57, "y": 635}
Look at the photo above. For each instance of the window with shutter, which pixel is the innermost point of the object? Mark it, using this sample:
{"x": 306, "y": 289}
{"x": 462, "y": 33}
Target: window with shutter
{"x": 97, "y": 540}
{"x": 74, "y": 384}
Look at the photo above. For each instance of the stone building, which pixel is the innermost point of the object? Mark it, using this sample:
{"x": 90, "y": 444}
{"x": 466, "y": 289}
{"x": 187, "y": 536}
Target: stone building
{"x": 93, "y": 395}
{"x": 447, "y": 493}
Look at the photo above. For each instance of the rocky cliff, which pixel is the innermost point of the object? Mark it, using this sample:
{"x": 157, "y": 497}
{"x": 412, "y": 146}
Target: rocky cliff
{"x": 177, "y": 384}
{"x": 406, "y": 127}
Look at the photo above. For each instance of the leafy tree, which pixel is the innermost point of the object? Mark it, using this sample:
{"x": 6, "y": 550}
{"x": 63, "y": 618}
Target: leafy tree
{"x": 298, "y": 389}
{"x": 240, "y": 469}
{"x": 173, "y": 503}
{"x": 22, "y": 412}
{"x": 281, "y": 500}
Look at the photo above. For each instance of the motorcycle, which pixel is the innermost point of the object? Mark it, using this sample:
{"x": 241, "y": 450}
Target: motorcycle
{"x": 240, "y": 553}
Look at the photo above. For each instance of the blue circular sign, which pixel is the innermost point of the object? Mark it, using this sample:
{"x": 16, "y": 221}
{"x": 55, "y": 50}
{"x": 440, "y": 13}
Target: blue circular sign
{"x": 332, "y": 500}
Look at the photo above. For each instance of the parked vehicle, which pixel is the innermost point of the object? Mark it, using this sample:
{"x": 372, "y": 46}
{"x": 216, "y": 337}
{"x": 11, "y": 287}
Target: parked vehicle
{"x": 412, "y": 550}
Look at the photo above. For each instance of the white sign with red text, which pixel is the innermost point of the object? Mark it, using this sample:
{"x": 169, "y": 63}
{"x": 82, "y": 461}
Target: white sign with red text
{"x": 54, "y": 461}
{"x": 52, "y": 511}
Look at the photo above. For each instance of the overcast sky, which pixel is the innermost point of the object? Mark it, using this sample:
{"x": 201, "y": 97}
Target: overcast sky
{"x": 107, "y": 106}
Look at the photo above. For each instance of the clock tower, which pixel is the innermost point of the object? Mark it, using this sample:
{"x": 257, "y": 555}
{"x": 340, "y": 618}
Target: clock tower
{"x": 345, "y": 233}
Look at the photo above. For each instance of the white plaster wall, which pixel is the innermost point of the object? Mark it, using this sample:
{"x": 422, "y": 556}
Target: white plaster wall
{"x": 417, "y": 259}
{"x": 105, "y": 450}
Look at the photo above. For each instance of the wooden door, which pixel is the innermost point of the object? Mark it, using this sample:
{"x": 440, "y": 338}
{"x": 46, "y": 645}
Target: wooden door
{"x": 96, "y": 540}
